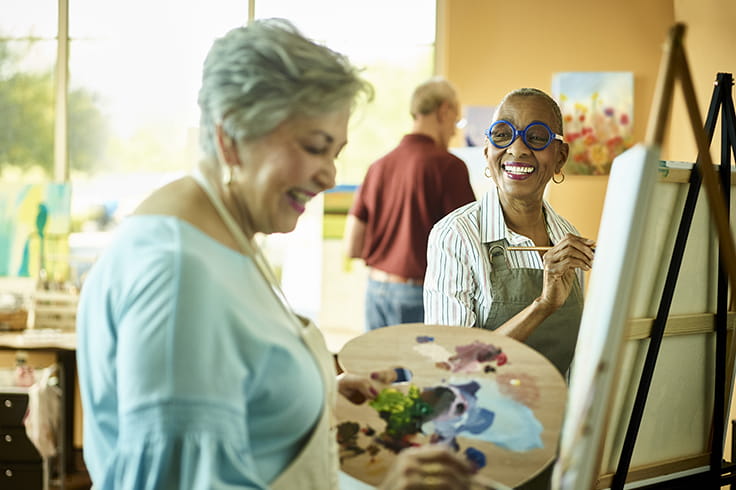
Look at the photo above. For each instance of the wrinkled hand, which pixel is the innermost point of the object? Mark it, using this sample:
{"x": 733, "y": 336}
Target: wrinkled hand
{"x": 428, "y": 467}
{"x": 560, "y": 262}
{"x": 358, "y": 389}
{"x": 355, "y": 388}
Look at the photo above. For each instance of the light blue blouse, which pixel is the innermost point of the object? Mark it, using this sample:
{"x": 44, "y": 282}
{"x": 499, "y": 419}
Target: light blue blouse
{"x": 191, "y": 373}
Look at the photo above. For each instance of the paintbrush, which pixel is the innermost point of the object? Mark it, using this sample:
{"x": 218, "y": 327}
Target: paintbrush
{"x": 532, "y": 249}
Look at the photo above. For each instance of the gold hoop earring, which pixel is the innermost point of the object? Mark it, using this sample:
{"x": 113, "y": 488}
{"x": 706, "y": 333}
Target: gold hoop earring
{"x": 487, "y": 172}
{"x": 559, "y": 181}
{"x": 227, "y": 175}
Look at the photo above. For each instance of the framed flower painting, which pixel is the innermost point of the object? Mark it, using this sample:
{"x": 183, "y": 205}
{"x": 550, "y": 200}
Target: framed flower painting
{"x": 597, "y": 110}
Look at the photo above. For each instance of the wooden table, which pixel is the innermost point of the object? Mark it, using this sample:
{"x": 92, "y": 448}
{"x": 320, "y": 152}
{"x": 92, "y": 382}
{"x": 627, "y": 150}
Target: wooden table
{"x": 522, "y": 391}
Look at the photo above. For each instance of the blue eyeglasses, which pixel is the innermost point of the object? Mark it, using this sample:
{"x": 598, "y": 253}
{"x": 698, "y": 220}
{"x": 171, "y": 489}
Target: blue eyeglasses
{"x": 536, "y": 135}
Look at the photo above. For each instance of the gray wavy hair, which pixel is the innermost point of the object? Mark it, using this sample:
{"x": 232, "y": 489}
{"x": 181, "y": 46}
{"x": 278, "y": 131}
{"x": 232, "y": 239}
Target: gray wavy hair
{"x": 258, "y": 76}
{"x": 529, "y": 92}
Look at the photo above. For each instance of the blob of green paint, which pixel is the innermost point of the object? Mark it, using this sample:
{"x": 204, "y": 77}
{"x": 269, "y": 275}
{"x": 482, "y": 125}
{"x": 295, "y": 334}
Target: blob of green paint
{"x": 404, "y": 413}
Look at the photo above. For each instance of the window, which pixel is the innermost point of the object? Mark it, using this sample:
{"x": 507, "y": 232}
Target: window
{"x": 140, "y": 63}
{"x": 133, "y": 69}
{"x": 134, "y": 72}
{"x": 393, "y": 41}
{"x": 27, "y": 60}
{"x": 133, "y": 76}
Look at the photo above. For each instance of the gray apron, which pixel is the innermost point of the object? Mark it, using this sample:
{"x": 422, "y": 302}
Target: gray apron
{"x": 515, "y": 289}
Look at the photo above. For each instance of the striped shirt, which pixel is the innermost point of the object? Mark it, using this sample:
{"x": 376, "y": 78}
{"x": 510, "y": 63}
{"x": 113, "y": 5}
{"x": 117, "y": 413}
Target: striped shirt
{"x": 457, "y": 284}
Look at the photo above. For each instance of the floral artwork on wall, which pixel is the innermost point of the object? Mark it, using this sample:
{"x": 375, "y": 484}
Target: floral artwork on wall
{"x": 597, "y": 110}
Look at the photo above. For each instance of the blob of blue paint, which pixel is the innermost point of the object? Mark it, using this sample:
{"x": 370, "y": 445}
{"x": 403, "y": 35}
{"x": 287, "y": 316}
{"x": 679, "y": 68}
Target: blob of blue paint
{"x": 423, "y": 339}
{"x": 476, "y": 457}
{"x": 402, "y": 375}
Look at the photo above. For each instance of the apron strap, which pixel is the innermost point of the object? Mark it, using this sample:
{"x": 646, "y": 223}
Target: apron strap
{"x": 248, "y": 247}
{"x": 316, "y": 465}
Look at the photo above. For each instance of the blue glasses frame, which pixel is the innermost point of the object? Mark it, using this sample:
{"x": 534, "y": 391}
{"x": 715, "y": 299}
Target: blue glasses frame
{"x": 522, "y": 132}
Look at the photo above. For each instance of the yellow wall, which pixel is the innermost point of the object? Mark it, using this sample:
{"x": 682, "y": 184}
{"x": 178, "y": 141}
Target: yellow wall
{"x": 484, "y": 49}
{"x": 710, "y": 45}
{"x": 487, "y": 52}
{"x": 489, "y": 46}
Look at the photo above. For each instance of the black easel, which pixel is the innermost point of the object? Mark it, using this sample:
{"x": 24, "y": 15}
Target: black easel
{"x": 717, "y": 474}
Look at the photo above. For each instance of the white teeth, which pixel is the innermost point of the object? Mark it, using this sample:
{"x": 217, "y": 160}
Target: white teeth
{"x": 302, "y": 197}
{"x": 517, "y": 169}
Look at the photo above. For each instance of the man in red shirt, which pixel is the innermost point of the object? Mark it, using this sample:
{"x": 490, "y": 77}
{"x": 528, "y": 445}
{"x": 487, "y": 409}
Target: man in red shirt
{"x": 403, "y": 195}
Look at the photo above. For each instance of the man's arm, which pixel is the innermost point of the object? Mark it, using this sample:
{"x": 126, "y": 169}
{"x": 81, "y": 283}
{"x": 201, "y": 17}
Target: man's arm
{"x": 354, "y": 237}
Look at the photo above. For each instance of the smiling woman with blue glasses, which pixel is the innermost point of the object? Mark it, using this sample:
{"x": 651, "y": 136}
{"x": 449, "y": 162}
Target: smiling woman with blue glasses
{"x": 473, "y": 279}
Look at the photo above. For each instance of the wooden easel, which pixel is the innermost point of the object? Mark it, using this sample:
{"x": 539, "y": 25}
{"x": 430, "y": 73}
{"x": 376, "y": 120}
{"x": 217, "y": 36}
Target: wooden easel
{"x": 674, "y": 67}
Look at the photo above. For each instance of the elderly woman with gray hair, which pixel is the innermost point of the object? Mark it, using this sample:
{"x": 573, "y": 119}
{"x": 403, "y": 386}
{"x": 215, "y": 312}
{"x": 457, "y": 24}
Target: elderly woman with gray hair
{"x": 194, "y": 371}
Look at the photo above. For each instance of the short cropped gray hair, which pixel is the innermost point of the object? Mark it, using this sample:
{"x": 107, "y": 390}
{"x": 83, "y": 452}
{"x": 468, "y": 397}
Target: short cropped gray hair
{"x": 258, "y": 76}
{"x": 429, "y": 95}
{"x": 530, "y": 92}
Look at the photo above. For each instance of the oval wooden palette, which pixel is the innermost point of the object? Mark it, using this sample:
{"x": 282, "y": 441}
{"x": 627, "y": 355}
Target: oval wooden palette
{"x": 505, "y": 381}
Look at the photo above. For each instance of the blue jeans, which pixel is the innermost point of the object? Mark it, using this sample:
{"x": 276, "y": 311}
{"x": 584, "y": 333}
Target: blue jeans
{"x": 389, "y": 303}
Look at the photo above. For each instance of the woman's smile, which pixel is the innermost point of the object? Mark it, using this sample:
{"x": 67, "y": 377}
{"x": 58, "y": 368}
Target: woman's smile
{"x": 298, "y": 199}
{"x": 517, "y": 170}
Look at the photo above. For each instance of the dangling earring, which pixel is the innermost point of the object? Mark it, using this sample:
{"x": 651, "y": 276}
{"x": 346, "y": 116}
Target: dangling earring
{"x": 559, "y": 181}
{"x": 227, "y": 175}
{"x": 487, "y": 172}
